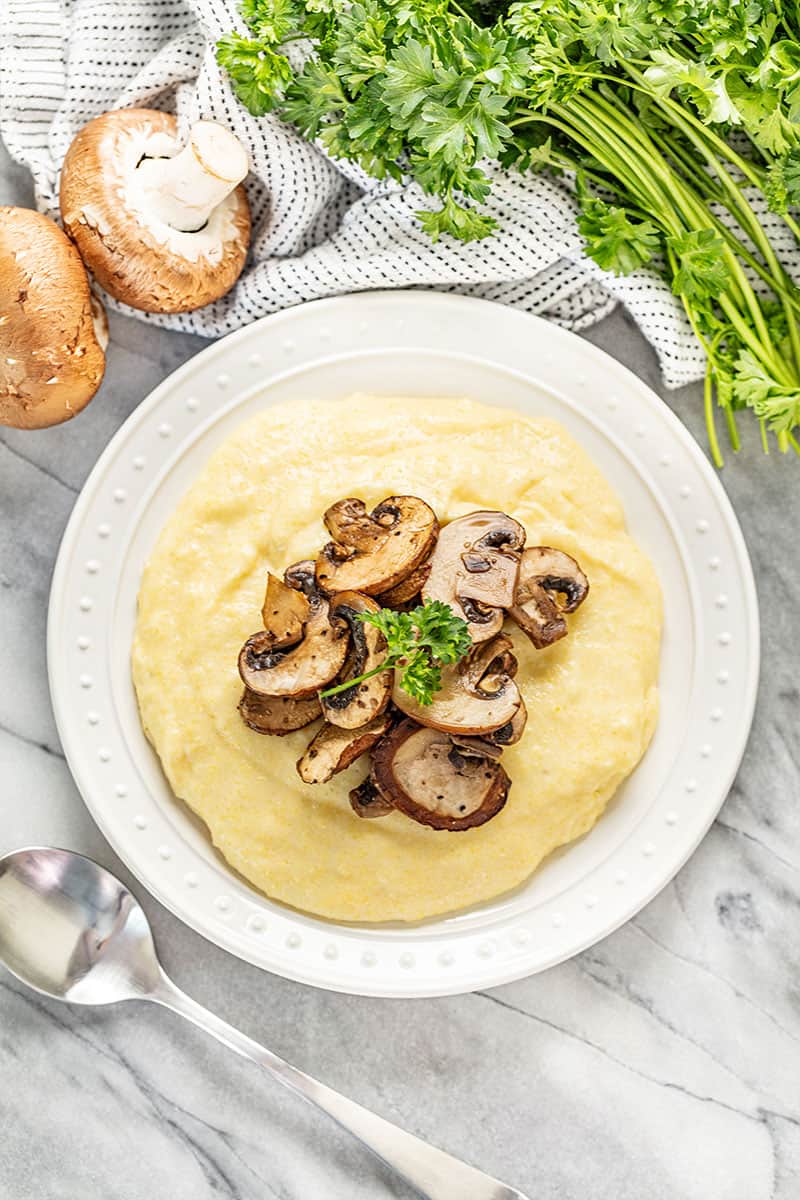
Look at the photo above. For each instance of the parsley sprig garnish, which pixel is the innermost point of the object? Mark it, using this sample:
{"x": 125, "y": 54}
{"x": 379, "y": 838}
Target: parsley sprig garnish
{"x": 418, "y": 643}
{"x": 677, "y": 121}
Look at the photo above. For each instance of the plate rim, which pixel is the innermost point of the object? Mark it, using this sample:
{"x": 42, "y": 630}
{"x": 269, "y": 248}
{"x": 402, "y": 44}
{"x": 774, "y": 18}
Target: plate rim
{"x": 598, "y": 356}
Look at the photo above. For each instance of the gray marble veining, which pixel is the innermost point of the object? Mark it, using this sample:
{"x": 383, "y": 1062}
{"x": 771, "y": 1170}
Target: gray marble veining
{"x": 661, "y": 1064}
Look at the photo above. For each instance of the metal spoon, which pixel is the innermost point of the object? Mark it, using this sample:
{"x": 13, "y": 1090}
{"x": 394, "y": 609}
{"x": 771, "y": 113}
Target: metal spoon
{"x": 70, "y": 930}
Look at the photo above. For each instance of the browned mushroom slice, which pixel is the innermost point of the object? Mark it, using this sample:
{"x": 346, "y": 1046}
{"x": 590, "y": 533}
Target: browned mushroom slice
{"x": 366, "y": 801}
{"x": 277, "y": 714}
{"x": 474, "y": 569}
{"x": 301, "y": 576}
{"x": 428, "y": 779}
{"x": 475, "y": 747}
{"x": 305, "y": 668}
{"x": 333, "y": 750}
{"x": 477, "y": 696}
{"x": 357, "y": 705}
{"x": 407, "y": 589}
{"x": 550, "y": 584}
{"x": 372, "y": 552}
{"x": 510, "y": 733}
{"x": 284, "y": 612}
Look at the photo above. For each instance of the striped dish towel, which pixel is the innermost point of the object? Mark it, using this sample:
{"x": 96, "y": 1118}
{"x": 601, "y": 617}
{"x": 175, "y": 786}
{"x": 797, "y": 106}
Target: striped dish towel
{"x": 321, "y": 228}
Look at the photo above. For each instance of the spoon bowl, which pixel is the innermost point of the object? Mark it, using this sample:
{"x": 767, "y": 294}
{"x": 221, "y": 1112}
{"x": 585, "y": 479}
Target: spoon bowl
{"x": 70, "y": 929}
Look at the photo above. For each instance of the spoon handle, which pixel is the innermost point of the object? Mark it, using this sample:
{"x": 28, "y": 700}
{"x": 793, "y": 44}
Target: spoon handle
{"x": 432, "y": 1172}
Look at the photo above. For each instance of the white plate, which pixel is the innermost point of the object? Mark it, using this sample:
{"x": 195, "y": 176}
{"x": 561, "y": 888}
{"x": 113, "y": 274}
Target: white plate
{"x": 425, "y": 344}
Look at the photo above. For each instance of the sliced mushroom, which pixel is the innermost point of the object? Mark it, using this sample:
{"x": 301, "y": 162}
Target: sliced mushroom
{"x": 366, "y": 801}
{"x": 550, "y": 584}
{"x": 277, "y": 714}
{"x": 429, "y": 780}
{"x": 284, "y": 612}
{"x": 301, "y": 576}
{"x": 510, "y": 733}
{"x": 477, "y": 696}
{"x": 305, "y": 668}
{"x": 373, "y": 552}
{"x": 475, "y": 747}
{"x": 474, "y": 569}
{"x": 407, "y": 589}
{"x": 357, "y": 705}
{"x": 333, "y": 750}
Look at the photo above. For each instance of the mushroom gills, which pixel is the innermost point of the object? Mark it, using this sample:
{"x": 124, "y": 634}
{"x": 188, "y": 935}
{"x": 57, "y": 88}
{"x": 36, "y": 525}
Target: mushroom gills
{"x": 374, "y": 552}
{"x": 510, "y": 733}
{"x": 161, "y": 227}
{"x": 356, "y": 706}
{"x": 475, "y": 747}
{"x": 366, "y": 801}
{"x": 474, "y": 569}
{"x": 545, "y": 576}
{"x": 332, "y": 750}
{"x": 183, "y": 190}
{"x": 277, "y": 715}
{"x": 426, "y": 777}
{"x": 304, "y": 668}
{"x": 302, "y": 578}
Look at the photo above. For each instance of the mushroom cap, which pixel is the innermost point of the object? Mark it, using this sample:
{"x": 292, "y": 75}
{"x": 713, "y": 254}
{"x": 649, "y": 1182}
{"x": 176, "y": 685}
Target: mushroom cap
{"x": 332, "y": 750}
{"x": 51, "y": 354}
{"x": 474, "y": 569}
{"x": 140, "y": 260}
{"x": 373, "y": 552}
{"x": 304, "y": 668}
{"x": 550, "y": 584}
{"x": 477, "y": 696}
{"x": 277, "y": 714}
{"x": 358, "y": 705}
{"x": 424, "y": 775}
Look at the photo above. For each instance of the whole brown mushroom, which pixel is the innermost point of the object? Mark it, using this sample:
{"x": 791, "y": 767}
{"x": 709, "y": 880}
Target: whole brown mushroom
{"x": 162, "y": 228}
{"x": 53, "y": 332}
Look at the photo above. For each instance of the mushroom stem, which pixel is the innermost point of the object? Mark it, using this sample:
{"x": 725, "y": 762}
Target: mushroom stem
{"x": 184, "y": 190}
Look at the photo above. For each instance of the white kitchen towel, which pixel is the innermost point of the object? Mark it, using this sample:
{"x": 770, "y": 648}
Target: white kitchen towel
{"x": 321, "y": 228}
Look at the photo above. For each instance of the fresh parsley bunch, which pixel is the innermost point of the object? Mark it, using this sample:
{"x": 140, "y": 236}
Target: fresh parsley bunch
{"x": 418, "y": 643}
{"x": 678, "y": 122}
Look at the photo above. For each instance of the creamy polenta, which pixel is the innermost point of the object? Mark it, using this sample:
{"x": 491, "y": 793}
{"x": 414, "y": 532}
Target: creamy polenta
{"x": 591, "y": 697}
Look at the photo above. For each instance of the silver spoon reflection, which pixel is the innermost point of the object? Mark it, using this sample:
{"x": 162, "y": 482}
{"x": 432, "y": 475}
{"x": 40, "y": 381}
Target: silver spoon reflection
{"x": 71, "y": 930}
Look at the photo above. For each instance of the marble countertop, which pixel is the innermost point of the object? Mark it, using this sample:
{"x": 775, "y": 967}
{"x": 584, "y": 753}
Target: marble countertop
{"x": 662, "y": 1063}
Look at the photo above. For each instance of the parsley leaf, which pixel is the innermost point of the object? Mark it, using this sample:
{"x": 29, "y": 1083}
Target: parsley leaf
{"x": 258, "y": 74}
{"x": 769, "y": 399}
{"x": 702, "y": 273}
{"x": 614, "y": 241}
{"x": 418, "y": 644}
{"x": 272, "y": 21}
{"x": 463, "y": 223}
{"x": 683, "y": 114}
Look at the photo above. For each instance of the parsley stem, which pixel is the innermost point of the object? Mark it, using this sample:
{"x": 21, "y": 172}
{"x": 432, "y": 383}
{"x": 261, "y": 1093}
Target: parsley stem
{"x": 349, "y": 683}
{"x": 733, "y": 431}
{"x": 711, "y": 429}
